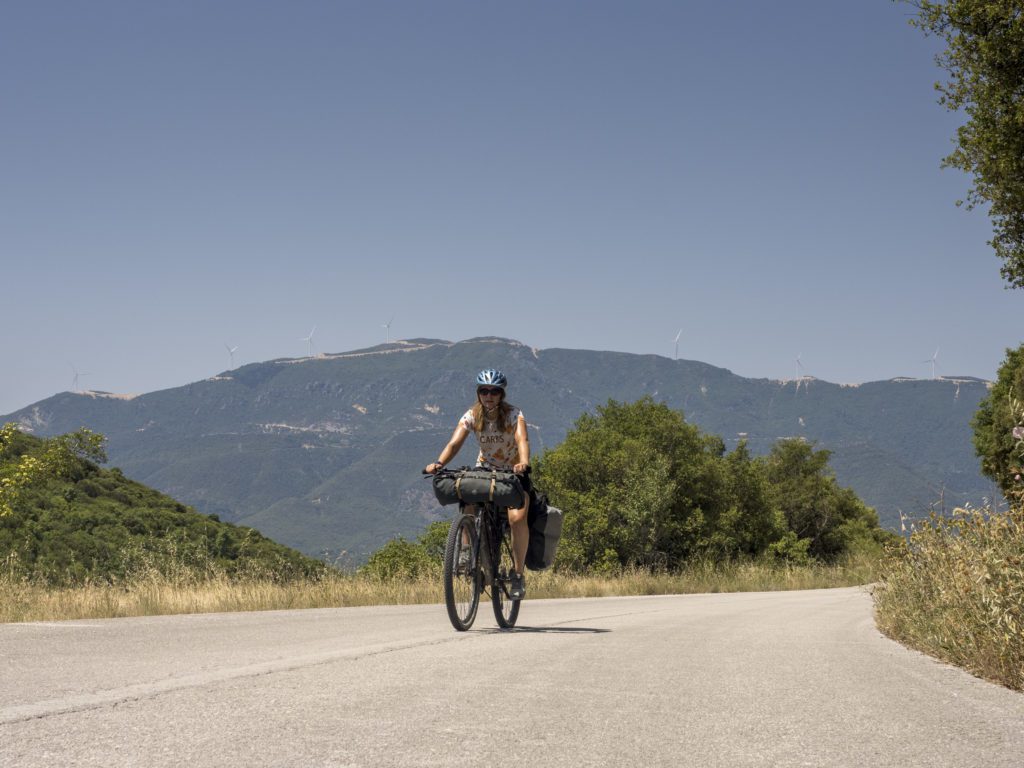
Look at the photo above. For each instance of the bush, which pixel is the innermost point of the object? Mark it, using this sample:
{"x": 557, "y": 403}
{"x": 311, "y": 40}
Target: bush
{"x": 956, "y": 591}
{"x": 399, "y": 559}
{"x": 999, "y": 416}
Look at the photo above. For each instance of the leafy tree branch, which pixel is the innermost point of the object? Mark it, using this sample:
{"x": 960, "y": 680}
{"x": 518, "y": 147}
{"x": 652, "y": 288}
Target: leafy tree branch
{"x": 984, "y": 58}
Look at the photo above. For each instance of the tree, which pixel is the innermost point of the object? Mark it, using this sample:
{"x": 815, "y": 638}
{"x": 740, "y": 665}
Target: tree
{"x": 640, "y": 486}
{"x": 999, "y": 427}
{"x": 985, "y": 61}
{"x": 833, "y": 519}
{"x": 753, "y": 521}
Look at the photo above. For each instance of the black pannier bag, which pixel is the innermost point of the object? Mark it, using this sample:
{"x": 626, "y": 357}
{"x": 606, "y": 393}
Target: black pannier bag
{"x": 545, "y": 530}
{"x": 475, "y": 486}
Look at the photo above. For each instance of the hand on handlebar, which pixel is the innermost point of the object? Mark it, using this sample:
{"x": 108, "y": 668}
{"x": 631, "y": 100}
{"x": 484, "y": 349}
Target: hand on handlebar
{"x": 433, "y": 469}
{"x": 521, "y": 469}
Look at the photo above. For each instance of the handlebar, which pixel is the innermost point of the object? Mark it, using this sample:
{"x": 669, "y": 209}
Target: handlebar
{"x": 445, "y": 470}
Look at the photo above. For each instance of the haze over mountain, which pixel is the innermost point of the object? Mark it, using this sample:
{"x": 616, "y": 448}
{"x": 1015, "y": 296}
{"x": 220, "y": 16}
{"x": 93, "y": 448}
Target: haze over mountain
{"x": 324, "y": 453}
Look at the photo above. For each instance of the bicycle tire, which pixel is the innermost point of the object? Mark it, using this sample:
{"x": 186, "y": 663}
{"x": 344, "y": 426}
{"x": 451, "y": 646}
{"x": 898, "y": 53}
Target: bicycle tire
{"x": 506, "y": 610}
{"x": 461, "y": 584}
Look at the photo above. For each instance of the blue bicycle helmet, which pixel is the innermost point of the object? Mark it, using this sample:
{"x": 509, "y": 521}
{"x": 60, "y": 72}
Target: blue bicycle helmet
{"x": 489, "y": 377}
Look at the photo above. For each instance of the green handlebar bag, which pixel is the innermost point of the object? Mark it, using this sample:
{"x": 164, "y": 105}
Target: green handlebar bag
{"x": 476, "y": 486}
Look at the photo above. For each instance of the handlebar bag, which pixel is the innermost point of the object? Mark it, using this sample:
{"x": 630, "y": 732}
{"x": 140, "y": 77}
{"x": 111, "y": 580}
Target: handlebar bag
{"x": 545, "y": 531}
{"x": 475, "y": 486}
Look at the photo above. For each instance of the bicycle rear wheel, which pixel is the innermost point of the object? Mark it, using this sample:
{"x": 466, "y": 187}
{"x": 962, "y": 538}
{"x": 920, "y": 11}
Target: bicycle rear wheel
{"x": 506, "y": 610}
{"x": 461, "y": 573}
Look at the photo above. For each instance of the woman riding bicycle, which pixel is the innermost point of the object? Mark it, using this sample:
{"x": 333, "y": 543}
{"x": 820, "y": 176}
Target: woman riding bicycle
{"x": 500, "y": 430}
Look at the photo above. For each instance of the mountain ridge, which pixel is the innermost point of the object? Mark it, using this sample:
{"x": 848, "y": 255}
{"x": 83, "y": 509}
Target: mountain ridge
{"x": 323, "y": 452}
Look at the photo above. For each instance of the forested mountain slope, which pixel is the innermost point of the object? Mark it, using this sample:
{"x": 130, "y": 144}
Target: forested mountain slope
{"x": 79, "y": 522}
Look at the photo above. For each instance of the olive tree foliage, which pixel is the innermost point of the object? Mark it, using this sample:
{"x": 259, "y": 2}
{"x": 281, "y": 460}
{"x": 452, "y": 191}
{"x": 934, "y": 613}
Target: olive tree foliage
{"x": 984, "y": 58}
{"x": 999, "y": 427}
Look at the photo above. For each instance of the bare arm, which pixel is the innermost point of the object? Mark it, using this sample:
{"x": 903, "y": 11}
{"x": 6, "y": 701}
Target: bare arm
{"x": 451, "y": 450}
{"x": 523, "y": 445}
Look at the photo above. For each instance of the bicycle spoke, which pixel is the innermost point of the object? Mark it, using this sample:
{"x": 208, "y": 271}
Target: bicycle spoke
{"x": 461, "y": 573}
{"x": 506, "y": 610}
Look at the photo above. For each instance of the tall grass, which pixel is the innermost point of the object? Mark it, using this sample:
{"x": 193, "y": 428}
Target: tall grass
{"x": 166, "y": 590}
{"x": 955, "y": 590}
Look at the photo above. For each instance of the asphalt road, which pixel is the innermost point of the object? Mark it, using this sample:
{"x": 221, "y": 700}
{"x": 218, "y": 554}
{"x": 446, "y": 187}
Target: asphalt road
{"x": 766, "y": 679}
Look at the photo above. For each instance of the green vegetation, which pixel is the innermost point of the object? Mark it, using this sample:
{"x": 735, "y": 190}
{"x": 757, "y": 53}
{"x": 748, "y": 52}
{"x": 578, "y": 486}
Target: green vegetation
{"x": 67, "y": 521}
{"x": 57, "y": 458}
{"x": 641, "y": 487}
{"x": 400, "y": 558}
{"x": 956, "y": 591}
{"x": 985, "y": 48}
{"x": 999, "y": 426}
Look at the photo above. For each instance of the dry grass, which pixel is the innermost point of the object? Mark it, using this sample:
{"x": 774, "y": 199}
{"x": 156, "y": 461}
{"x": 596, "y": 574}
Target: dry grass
{"x": 25, "y": 601}
{"x": 706, "y": 577}
{"x": 956, "y": 591}
{"x": 153, "y": 593}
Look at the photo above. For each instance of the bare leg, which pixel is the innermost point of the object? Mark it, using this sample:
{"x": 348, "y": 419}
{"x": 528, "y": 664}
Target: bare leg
{"x": 520, "y": 535}
{"x": 469, "y": 509}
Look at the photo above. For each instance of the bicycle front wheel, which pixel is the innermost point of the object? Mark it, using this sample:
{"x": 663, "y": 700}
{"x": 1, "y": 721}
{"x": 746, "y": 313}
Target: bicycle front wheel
{"x": 461, "y": 573}
{"x": 506, "y": 610}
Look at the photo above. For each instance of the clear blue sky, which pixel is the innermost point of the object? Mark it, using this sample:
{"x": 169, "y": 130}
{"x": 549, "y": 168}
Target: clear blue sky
{"x": 177, "y": 176}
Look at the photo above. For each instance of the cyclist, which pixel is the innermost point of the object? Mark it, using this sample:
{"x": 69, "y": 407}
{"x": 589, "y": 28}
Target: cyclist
{"x": 500, "y": 430}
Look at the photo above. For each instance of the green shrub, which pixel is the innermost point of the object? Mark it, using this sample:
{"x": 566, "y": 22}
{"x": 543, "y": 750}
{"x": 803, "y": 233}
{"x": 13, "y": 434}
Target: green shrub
{"x": 400, "y": 559}
{"x": 791, "y": 549}
{"x": 955, "y": 590}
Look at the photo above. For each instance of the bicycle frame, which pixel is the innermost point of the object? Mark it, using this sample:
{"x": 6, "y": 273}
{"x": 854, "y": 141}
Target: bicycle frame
{"x": 491, "y": 522}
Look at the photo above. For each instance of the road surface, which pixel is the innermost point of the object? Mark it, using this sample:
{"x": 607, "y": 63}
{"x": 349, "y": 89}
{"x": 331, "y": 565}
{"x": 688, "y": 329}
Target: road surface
{"x": 759, "y": 679}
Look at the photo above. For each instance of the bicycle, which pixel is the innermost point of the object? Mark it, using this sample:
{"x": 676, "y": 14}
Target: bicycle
{"x": 478, "y": 555}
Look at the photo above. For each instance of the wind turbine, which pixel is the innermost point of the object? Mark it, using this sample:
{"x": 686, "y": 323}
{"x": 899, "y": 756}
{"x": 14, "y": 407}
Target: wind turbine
{"x": 387, "y": 327}
{"x": 932, "y": 360}
{"x": 74, "y": 381}
{"x": 801, "y": 374}
{"x": 309, "y": 340}
{"x": 231, "y": 354}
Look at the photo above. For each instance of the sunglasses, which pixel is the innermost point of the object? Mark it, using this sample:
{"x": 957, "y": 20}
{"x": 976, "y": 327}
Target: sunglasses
{"x": 484, "y": 391}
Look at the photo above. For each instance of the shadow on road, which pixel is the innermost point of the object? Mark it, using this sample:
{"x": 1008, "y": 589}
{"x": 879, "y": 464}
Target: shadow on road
{"x": 589, "y": 630}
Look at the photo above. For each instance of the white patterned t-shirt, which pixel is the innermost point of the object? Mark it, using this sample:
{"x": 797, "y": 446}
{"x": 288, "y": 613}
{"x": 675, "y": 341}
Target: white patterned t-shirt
{"x": 498, "y": 450}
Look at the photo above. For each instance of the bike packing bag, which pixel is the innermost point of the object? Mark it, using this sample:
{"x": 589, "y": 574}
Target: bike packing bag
{"x": 475, "y": 486}
{"x": 545, "y": 530}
